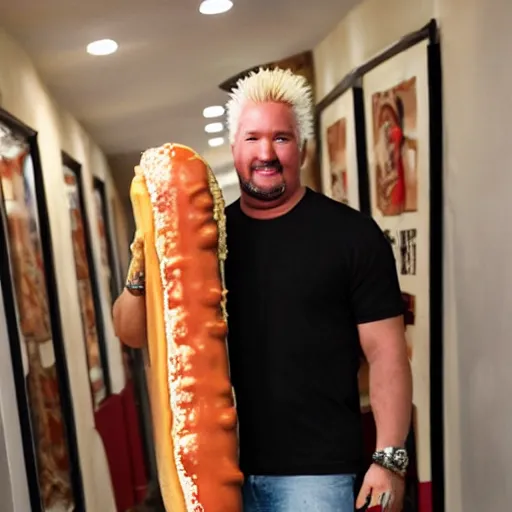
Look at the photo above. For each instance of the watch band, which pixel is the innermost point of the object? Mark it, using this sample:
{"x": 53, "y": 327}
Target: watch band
{"x": 136, "y": 284}
{"x": 392, "y": 458}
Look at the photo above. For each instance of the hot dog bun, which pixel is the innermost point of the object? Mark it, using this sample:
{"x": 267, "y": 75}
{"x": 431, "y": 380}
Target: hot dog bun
{"x": 179, "y": 210}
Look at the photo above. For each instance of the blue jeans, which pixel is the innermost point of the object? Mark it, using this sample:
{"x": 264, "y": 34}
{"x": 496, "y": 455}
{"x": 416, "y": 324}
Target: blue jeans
{"x": 324, "y": 493}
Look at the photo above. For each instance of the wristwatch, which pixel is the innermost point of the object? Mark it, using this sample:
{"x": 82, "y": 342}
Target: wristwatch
{"x": 392, "y": 458}
{"x": 135, "y": 284}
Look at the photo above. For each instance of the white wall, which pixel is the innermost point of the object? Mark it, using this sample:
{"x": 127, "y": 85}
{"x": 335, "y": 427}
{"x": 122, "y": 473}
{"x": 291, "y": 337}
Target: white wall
{"x": 24, "y": 95}
{"x": 364, "y": 32}
{"x": 478, "y": 105}
{"x": 477, "y": 81}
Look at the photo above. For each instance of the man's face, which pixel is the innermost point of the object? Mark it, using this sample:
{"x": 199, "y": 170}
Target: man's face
{"x": 267, "y": 152}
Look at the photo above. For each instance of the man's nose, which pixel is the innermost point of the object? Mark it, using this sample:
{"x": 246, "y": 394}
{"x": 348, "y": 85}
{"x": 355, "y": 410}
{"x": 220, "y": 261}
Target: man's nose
{"x": 266, "y": 151}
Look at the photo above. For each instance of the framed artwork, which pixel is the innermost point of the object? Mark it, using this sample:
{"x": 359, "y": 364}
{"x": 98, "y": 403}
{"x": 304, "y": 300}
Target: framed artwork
{"x": 403, "y": 111}
{"x": 106, "y": 239}
{"x": 30, "y": 297}
{"x": 380, "y": 133}
{"x": 342, "y": 153}
{"x": 88, "y": 289}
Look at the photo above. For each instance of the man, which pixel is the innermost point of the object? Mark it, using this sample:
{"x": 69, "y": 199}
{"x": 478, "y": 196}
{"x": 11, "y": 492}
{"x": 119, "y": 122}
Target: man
{"x": 311, "y": 283}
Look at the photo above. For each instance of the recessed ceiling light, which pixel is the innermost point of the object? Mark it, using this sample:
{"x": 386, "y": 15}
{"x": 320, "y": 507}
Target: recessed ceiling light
{"x": 214, "y": 111}
{"x": 102, "y": 47}
{"x": 216, "y": 142}
{"x": 215, "y": 6}
{"x": 213, "y": 128}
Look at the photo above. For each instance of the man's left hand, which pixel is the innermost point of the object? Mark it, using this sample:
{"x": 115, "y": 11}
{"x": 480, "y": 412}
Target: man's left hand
{"x": 385, "y": 488}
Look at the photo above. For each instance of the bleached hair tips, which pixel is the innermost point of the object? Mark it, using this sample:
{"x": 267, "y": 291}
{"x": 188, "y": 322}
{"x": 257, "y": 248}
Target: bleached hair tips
{"x": 276, "y": 85}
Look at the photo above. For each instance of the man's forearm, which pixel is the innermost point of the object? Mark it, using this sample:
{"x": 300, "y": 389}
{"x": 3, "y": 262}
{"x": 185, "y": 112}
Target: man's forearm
{"x": 129, "y": 317}
{"x": 391, "y": 399}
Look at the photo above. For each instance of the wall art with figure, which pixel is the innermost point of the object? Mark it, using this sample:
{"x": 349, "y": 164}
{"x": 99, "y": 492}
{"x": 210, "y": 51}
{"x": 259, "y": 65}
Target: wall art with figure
{"x": 397, "y": 114}
{"x": 102, "y": 234}
{"x": 395, "y": 166}
{"x": 106, "y": 243}
{"x": 339, "y": 157}
{"x": 26, "y": 266}
{"x": 84, "y": 274}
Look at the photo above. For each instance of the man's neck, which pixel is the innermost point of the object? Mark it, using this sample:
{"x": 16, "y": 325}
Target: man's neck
{"x": 271, "y": 212}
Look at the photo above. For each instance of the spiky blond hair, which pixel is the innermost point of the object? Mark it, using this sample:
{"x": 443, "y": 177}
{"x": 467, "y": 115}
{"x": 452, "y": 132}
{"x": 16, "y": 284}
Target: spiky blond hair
{"x": 277, "y": 85}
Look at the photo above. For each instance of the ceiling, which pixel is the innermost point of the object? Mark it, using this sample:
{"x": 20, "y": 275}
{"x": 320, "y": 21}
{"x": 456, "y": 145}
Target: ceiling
{"x": 170, "y": 62}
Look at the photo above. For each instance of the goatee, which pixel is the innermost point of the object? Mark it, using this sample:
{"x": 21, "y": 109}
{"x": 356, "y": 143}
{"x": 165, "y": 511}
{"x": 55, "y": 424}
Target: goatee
{"x": 262, "y": 194}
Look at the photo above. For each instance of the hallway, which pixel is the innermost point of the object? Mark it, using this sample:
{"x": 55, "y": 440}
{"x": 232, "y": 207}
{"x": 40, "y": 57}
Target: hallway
{"x": 414, "y": 89}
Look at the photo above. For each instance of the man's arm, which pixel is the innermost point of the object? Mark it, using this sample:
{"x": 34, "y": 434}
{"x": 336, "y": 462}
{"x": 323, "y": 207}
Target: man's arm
{"x": 129, "y": 317}
{"x": 383, "y": 343}
{"x": 378, "y": 308}
{"x": 129, "y": 310}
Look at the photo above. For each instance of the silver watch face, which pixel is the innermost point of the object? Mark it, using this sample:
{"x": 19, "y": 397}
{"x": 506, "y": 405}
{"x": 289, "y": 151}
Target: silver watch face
{"x": 400, "y": 458}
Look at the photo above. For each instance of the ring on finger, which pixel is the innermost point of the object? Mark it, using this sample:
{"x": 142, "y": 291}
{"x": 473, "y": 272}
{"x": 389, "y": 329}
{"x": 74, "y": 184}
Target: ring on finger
{"x": 385, "y": 499}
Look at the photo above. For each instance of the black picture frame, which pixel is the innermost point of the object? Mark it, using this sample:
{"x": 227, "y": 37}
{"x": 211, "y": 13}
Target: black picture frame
{"x": 76, "y": 168}
{"x": 31, "y": 136}
{"x": 430, "y": 33}
{"x": 114, "y": 285}
{"x": 360, "y": 136}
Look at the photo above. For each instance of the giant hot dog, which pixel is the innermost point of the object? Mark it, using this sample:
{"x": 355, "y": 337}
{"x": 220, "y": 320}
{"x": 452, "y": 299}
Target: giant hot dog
{"x": 179, "y": 210}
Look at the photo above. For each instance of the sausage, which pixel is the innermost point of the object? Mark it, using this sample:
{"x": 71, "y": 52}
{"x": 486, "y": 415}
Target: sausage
{"x": 179, "y": 209}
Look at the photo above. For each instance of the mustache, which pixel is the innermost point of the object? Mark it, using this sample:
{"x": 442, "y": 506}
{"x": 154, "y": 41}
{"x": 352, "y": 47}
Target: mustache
{"x": 270, "y": 164}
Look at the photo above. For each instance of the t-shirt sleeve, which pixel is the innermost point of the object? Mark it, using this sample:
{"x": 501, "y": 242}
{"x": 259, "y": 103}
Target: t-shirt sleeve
{"x": 375, "y": 289}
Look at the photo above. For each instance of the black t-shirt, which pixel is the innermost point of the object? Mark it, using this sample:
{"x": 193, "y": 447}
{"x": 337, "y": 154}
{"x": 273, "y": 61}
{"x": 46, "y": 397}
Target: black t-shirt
{"x": 298, "y": 285}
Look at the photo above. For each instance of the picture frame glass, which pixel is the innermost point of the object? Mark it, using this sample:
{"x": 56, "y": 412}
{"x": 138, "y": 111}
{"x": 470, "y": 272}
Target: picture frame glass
{"x": 29, "y": 285}
{"x": 339, "y": 167}
{"x": 103, "y": 231}
{"x": 85, "y": 289}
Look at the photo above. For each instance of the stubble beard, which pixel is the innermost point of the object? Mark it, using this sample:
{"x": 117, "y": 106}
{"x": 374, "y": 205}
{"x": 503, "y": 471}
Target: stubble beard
{"x": 260, "y": 194}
